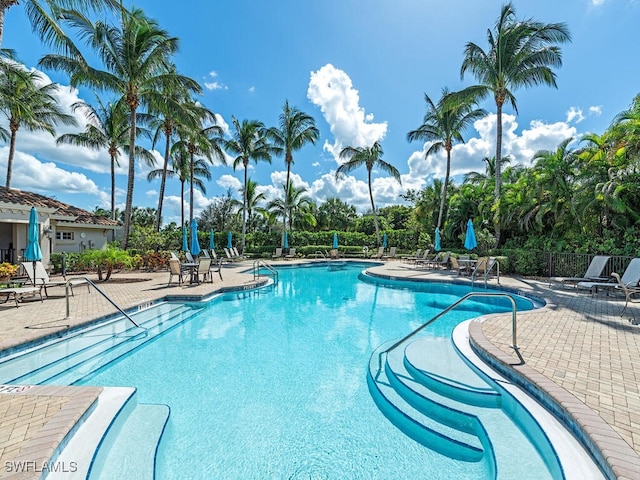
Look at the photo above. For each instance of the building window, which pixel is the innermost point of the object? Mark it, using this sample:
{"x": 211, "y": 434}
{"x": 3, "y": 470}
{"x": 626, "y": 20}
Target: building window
{"x": 64, "y": 235}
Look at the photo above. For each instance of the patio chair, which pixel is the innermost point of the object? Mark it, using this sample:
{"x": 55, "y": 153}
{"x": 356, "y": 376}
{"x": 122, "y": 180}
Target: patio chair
{"x": 443, "y": 262}
{"x": 40, "y": 277}
{"x": 593, "y": 273}
{"x": 216, "y": 267}
{"x": 291, "y": 254}
{"x": 278, "y": 253}
{"x": 630, "y": 278}
{"x": 204, "y": 267}
{"x": 189, "y": 257}
{"x": 230, "y": 256}
{"x": 425, "y": 260}
{"x": 333, "y": 254}
{"x": 175, "y": 268}
{"x": 456, "y": 267}
{"x": 631, "y": 292}
{"x": 18, "y": 293}
{"x": 391, "y": 254}
{"x": 237, "y": 255}
{"x": 412, "y": 258}
{"x": 379, "y": 254}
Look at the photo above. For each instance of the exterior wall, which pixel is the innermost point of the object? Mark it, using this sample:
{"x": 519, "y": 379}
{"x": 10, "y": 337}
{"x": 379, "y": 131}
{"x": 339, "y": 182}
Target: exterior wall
{"x": 82, "y": 238}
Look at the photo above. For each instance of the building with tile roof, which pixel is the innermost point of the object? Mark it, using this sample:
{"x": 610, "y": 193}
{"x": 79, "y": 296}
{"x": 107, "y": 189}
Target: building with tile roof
{"x": 63, "y": 227}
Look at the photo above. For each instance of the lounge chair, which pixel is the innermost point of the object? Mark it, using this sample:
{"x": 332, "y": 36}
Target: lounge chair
{"x": 630, "y": 278}
{"x": 40, "y": 277}
{"x": 631, "y": 292}
{"x": 442, "y": 262}
{"x": 593, "y": 273}
{"x": 230, "y": 256}
{"x": 216, "y": 267}
{"x": 291, "y": 254}
{"x": 175, "y": 268}
{"x": 391, "y": 254}
{"x": 333, "y": 254}
{"x": 278, "y": 253}
{"x": 379, "y": 254}
{"x": 189, "y": 257}
{"x": 425, "y": 260}
{"x": 18, "y": 293}
{"x": 237, "y": 255}
{"x": 412, "y": 258}
{"x": 456, "y": 267}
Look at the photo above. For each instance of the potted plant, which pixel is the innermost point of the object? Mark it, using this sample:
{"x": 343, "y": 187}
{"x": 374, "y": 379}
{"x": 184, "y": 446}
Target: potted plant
{"x": 6, "y": 271}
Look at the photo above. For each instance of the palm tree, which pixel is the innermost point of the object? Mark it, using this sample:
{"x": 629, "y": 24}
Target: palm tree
{"x": 248, "y": 142}
{"x": 521, "y": 54}
{"x": 29, "y": 104}
{"x": 173, "y": 108}
{"x": 201, "y": 141}
{"x": 106, "y": 129}
{"x": 443, "y": 125}
{"x": 295, "y": 206}
{"x": 182, "y": 169}
{"x": 295, "y": 129}
{"x": 253, "y": 199}
{"x": 137, "y": 58}
{"x": 43, "y": 14}
{"x": 370, "y": 157}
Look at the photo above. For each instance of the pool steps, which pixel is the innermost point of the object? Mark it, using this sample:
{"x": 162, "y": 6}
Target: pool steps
{"x": 84, "y": 354}
{"x": 431, "y": 394}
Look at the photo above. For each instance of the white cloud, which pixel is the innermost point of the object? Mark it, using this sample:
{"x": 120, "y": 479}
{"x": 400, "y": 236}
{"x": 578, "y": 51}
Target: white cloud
{"x": 213, "y": 84}
{"x": 252, "y": 89}
{"x": 331, "y": 89}
{"x": 229, "y": 181}
{"x": 595, "y": 110}
{"x": 171, "y": 206}
{"x": 31, "y": 174}
{"x": 575, "y": 114}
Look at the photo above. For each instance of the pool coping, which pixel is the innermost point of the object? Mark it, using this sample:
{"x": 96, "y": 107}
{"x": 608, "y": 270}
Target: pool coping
{"x": 610, "y": 451}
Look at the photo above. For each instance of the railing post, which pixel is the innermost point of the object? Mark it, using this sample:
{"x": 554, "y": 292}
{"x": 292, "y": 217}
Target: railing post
{"x": 67, "y": 288}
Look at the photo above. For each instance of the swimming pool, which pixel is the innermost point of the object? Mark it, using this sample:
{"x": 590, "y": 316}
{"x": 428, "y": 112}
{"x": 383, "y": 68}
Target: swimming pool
{"x": 272, "y": 383}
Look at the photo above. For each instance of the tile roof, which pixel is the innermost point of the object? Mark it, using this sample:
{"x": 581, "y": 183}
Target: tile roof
{"x": 78, "y": 215}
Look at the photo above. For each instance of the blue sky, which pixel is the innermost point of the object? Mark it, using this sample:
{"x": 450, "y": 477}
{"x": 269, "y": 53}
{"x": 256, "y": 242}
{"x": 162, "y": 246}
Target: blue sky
{"x": 361, "y": 72}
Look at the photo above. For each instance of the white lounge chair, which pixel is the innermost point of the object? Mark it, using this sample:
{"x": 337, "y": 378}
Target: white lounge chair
{"x": 379, "y": 254}
{"x": 40, "y": 277}
{"x": 630, "y": 278}
{"x": 278, "y": 253}
{"x": 593, "y": 273}
{"x": 291, "y": 254}
{"x": 391, "y": 254}
{"x": 18, "y": 293}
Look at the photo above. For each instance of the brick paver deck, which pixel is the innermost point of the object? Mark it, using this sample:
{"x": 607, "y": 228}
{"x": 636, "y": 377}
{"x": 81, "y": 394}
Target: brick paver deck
{"x": 577, "y": 349}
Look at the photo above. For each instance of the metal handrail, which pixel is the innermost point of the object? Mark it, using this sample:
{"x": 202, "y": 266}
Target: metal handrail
{"x": 514, "y": 345}
{"x": 487, "y": 271}
{"x": 321, "y": 254}
{"x": 67, "y": 286}
{"x": 256, "y": 268}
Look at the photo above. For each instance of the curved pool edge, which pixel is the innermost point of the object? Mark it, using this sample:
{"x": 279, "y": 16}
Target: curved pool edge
{"x": 609, "y": 450}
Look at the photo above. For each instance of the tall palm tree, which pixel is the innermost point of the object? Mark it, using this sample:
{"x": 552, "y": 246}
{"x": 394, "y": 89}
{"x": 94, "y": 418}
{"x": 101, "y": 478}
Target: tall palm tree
{"x": 182, "y": 169}
{"x": 107, "y": 129}
{"x": 248, "y": 142}
{"x": 370, "y": 157}
{"x": 443, "y": 125}
{"x": 295, "y": 129}
{"x": 295, "y": 206}
{"x": 521, "y": 53}
{"x": 253, "y": 199}
{"x": 137, "y": 57}
{"x": 173, "y": 108}
{"x": 29, "y": 103}
{"x": 199, "y": 140}
{"x": 42, "y": 14}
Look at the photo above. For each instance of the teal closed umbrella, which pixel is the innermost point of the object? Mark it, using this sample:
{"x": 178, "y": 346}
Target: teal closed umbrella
{"x": 229, "y": 238}
{"x": 33, "y": 253}
{"x": 212, "y": 241}
{"x": 384, "y": 240}
{"x": 436, "y": 245}
{"x": 195, "y": 246}
{"x": 286, "y": 240}
{"x": 470, "y": 238}
{"x": 335, "y": 240}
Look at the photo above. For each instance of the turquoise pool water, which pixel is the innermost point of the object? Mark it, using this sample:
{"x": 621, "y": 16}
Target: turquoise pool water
{"x": 272, "y": 383}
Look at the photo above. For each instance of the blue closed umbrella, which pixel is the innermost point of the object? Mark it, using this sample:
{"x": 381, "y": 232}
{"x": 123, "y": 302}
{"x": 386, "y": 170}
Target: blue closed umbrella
{"x": 229, "y": 237}
{"x": 286, "y": 240}
{"x": 437, "y": 246}
{"x": 33, "y": 253}
{"x": 195, "y": 246}
{"x": 384, "y": 240}
{"x": 470, "y": 238}
{"x": 185, "y": 244}
{"x": 212, "y": 241}
{"x": 335, "y": 240}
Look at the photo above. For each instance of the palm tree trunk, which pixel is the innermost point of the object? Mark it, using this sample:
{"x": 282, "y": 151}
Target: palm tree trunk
{"x": 286, "y": 200}
{"x": 130, "y": 179}
{"x": 373, "y": 209}
{"x": 498, "y": 169}
{"x": 113, "y": 194}
{"x": 443, "y": 195}
{"x": 163, "y": 181}
{"x": 244, "y": 208}
{"x": 182, "y": 203}
{"x": 12, "y": 151}
{"x": 191, "y": 189}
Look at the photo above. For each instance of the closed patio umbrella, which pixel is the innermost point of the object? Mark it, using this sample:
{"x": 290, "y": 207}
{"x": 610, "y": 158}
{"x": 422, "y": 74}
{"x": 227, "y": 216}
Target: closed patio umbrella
{"x": 470, "y": 238}
{"x": 195, "y": 246}
{"x": 335, "y": 240}
{"x": 185, "y": 244}
{"x": 436, "y": 245}
{"x": 229, "y": 238}
{"x": 286, "y": 240}
{"x": 212, "y": 240}
{"x": 33, "y": 253}
{"x": 384, "y": 240}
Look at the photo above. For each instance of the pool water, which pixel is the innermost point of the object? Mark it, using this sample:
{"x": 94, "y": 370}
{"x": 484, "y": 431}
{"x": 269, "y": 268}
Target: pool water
{"x": 272, "y": 383}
